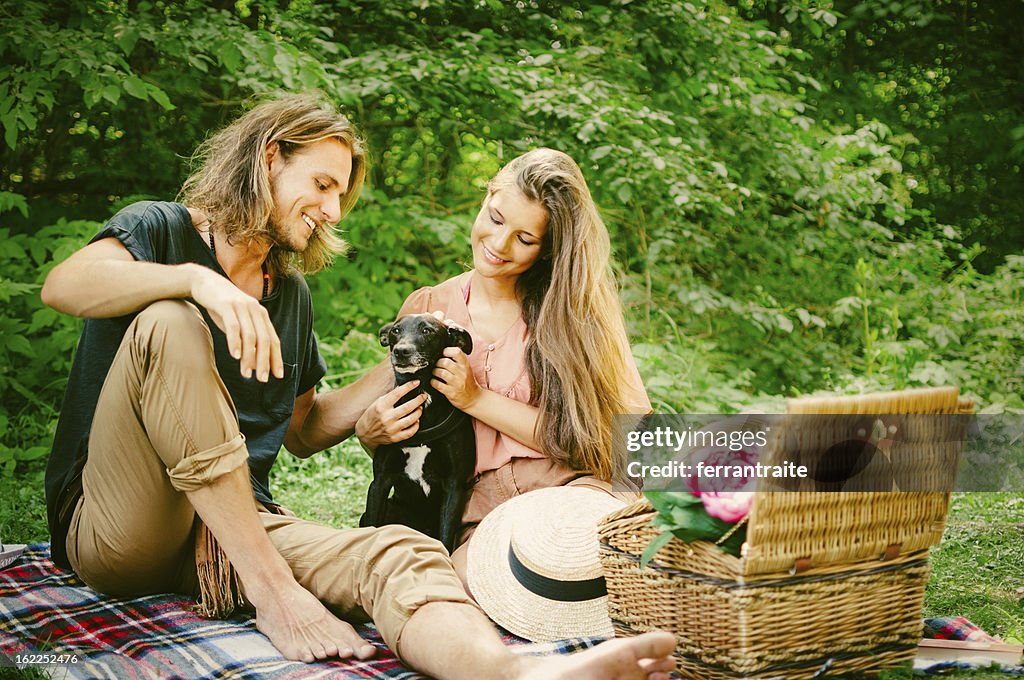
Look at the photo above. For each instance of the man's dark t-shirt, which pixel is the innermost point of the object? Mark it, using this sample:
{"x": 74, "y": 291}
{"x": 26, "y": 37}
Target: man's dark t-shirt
{"x": 163, "y": 233}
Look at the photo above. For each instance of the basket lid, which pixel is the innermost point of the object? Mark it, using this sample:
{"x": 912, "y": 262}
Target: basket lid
{"x": 794, "y": 530}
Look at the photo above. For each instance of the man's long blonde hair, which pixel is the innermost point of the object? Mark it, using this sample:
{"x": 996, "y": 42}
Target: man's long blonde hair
{"x": 232, "y": 183}
{"x": 575, "y": 353}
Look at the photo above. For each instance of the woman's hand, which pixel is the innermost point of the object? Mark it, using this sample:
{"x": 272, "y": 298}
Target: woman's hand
{"x": 385, "y": 423}
{"x": 453, "y": 377}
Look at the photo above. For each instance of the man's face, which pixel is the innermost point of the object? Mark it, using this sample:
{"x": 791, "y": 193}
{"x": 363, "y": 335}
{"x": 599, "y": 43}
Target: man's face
{"x": 307, "y": 188}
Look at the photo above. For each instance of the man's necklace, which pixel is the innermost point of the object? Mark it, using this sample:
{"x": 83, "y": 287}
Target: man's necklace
{"x": 266, "y": 274}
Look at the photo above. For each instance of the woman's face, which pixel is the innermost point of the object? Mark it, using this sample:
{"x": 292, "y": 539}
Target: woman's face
{"x": 507, "y": 234}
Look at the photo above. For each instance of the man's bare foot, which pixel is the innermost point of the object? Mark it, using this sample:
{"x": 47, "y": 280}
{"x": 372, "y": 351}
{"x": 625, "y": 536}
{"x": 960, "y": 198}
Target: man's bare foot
{"x": 645, "y": 657}
{"x": 303, "y": 629}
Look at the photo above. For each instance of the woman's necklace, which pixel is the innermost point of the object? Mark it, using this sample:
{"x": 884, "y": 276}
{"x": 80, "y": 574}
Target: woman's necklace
{"x": 266, "y": 274}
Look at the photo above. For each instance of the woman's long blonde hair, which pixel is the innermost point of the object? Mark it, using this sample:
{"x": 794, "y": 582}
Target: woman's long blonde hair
{"x": 232, "y": 183}
{"x": 575, "y": 354}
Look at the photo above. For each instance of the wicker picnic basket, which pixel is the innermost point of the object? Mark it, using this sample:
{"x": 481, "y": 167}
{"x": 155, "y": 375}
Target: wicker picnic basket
{"x": 826, "y": 580}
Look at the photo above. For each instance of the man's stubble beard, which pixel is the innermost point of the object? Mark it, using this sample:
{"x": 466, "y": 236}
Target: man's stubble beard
{"x": 282, "y": 239}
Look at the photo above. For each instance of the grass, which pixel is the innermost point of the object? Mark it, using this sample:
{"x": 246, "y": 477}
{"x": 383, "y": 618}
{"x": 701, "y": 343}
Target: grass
{"x": 329, "y": 487}
{"x": 977, "y": 569}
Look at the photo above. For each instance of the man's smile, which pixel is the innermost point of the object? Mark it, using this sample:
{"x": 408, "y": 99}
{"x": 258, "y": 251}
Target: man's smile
{"x": 310, "y": 222}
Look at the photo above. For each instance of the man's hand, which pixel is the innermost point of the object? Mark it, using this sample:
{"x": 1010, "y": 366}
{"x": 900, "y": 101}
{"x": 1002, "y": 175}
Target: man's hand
{"x": 385, "y": 423}
{"x": 251, "y": 336}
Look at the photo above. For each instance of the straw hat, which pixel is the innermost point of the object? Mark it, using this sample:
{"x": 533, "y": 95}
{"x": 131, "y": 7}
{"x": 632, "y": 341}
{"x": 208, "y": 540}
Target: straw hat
{"x": 533, "y": 564}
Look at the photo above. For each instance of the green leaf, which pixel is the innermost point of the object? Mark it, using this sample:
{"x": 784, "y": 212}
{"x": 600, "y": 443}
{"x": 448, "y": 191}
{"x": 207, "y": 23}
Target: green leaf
{"x": 42, "y": 318}
{"x": 10, "y": 122}
{"x": 160, "y": 97}
{"x": 10, "y": 200}
{"x": 230, "y": 56}
{"x": 127, "y": 39}
{"x": 28, "y": 119}
{"x": 654, "y": 546}
{"x": 136, "y": 87}
{"x": 20, "y": 344}
{"x": 664, "y": 501}
{"x": 31, "y": 454}
{"x": 309, "y": 76}
{"x": 695, "y": 524}
{"x": 198, "y": 62}
{"x": 284, "y": 62}
{"x": 10, "y": 289}
{"x": 38, "y": 252}
{"x": 112, "y": 93}
{"x": 587, "y": 131}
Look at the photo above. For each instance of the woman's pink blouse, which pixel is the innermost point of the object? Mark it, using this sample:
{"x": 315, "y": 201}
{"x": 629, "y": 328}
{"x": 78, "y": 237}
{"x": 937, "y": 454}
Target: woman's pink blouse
{"x": 501, "y": 367}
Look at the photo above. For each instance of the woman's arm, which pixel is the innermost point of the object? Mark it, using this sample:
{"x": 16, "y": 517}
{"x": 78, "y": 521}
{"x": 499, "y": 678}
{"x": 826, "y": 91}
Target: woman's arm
{"x": 453, "y": 378}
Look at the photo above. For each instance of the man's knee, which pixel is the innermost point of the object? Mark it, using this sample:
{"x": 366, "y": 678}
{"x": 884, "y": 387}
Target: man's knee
{"x": 173, "y": 324}
{"x": 413, "y": 568}
{"x": 177, "y": 316}
{"x": 402, "y": 548}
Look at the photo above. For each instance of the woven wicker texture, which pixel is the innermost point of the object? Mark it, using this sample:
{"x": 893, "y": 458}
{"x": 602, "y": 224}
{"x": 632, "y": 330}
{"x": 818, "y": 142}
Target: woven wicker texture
{"x": 811, "y": 588}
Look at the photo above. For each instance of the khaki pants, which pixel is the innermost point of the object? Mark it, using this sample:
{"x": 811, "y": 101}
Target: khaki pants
{"x": 164, "y": 425}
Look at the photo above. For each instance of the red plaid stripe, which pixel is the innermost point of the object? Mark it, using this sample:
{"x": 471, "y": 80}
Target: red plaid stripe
{"x": 954, "y": 628}
{"x": 43, "y": 608}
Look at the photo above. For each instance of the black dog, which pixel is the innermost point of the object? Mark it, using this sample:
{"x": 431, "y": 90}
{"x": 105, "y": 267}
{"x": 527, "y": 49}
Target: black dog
{"x": 430, "y": 471}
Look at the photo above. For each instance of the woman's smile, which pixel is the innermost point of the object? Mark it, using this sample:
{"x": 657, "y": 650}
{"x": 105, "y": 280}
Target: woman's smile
{"x": 491, "y": 257}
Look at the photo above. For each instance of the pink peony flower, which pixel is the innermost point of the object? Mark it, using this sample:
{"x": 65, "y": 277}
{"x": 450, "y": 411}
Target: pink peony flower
{"x": 725, "y": 496}
{"x": 728, "y": 506}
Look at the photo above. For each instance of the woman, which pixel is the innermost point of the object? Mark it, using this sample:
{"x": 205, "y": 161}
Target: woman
{"x": 551, "y": 364}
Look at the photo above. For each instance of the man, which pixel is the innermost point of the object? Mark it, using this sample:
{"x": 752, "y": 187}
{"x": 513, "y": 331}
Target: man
{"x": 197, "y": 361}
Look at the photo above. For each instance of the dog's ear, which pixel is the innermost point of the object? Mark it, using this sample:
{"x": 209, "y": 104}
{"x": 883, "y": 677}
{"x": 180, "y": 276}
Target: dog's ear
{"x": 459, "y": 337}
{"x": 384, "y": 330}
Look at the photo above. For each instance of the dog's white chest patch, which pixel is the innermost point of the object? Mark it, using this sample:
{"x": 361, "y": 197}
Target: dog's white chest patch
{"x": 414, "y": 464}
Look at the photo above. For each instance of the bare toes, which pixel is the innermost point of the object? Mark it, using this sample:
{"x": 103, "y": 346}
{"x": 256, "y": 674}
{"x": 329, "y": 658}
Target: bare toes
{"x": 365, "y": 651}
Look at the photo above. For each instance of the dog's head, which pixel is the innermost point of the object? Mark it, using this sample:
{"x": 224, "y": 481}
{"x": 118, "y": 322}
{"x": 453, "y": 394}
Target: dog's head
{"x": 417, "y": 341}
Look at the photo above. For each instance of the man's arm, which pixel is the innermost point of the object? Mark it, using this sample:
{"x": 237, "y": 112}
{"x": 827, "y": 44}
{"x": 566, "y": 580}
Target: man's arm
{"x": 320, "y": 421}
{"x": 104, "y": 280}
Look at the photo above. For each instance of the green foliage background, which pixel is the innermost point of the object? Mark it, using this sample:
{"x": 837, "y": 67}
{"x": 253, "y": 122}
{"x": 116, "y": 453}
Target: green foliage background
{"x": 802, "y": 196}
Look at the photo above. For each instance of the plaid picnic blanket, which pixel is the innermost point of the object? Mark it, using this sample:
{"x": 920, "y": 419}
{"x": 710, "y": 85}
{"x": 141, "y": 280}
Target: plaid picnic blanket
{"x": 954, "y": 628}
{"x": 47, "y": 611}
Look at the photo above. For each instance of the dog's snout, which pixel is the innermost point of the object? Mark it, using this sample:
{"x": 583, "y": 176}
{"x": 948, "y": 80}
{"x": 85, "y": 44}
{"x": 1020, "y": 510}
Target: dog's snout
{"x": 403, "y": 350}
